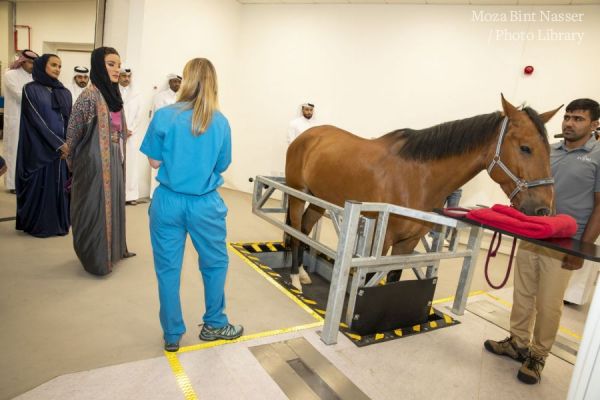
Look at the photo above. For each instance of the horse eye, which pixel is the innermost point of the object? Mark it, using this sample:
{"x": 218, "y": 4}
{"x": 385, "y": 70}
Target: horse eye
{"x": 526, "y": 149}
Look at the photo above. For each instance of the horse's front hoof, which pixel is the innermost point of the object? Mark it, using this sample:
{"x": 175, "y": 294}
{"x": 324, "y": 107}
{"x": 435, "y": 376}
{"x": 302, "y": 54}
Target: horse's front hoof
{"x": 296, "y": 281}
{"x": 304, "y": 277}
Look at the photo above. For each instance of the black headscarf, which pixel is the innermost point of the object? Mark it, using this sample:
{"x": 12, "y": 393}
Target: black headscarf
{"x": 100, "y": 79}
{"x": 40, "y": 76}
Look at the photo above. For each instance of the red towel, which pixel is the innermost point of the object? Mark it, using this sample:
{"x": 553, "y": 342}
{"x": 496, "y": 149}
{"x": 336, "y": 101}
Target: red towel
{"x": 514, "y": 221}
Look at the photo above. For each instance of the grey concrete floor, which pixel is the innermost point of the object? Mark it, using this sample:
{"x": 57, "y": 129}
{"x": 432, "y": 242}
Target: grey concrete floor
{"x": 59, "y": 321}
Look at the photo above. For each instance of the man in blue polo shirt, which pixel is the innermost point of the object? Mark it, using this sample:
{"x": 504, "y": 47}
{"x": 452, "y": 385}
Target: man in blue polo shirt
{"x": 542, "y": 275}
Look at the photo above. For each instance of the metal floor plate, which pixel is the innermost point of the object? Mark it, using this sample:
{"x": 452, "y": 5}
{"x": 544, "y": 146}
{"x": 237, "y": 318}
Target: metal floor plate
{"x": 563, "y": 348}
{"x": 303, "y": 373}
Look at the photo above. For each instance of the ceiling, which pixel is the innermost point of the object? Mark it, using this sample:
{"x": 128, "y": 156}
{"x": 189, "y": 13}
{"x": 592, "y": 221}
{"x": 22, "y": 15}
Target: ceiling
{"x": 49, "y": 1}
{"x": 460, "y": 2}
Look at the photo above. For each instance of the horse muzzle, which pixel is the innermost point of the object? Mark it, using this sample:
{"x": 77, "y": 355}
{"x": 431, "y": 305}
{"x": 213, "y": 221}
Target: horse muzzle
{"x": 535, "y": 205}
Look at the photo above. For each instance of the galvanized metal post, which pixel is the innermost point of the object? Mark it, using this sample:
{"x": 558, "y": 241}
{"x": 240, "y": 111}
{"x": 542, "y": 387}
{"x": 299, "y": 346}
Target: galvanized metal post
{"x": 341, "y": 269}
{"x": 468, "y": 267}
{"x": 437, "y": 245}
{"x": 364, "y": 248}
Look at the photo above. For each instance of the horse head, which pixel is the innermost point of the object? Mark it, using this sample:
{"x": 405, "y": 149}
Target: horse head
{"x": 520, "y": 160}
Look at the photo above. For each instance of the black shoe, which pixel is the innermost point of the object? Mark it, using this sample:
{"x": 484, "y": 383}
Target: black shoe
{"x": 172, "y": 347}
{"x": 12, "y": 191}
{"x": 131, "y": 203}
{"x": 129, "y": 255}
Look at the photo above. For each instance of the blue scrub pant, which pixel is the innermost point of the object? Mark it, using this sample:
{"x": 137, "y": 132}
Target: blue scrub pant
{"x": 172, "y": 216}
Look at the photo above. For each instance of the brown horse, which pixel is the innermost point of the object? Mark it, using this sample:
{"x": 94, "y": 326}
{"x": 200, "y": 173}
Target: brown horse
{"x": 419, "y": 169}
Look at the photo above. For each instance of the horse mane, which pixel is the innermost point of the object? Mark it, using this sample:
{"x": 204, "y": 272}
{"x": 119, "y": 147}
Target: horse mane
{"x": 455, "y": 137}
{"x": 537, "y": 121}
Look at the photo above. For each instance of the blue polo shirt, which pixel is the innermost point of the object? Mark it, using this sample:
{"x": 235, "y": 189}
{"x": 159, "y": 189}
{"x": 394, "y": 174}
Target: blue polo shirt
{"x": 576, "y": 178}
{"x": 189, "y": 164}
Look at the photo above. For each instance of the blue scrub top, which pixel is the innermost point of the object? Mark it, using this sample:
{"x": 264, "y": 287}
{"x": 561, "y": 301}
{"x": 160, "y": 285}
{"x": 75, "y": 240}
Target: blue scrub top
{"x": 189, "y": 164}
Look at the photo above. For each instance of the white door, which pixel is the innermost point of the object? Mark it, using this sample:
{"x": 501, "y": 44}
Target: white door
{"x": 70, "y": 59}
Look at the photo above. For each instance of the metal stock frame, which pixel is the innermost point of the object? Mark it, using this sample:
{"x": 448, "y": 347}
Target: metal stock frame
{"x": 360, "y": 246}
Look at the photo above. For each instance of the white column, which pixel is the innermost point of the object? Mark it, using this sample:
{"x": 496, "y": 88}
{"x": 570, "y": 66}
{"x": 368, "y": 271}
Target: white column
{"x": 585, "y": 382}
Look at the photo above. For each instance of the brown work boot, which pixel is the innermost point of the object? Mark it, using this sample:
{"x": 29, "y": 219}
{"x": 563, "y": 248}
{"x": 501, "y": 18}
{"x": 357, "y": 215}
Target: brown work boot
{"x": 507, "y": 347}
{"x": 531, "y": 370}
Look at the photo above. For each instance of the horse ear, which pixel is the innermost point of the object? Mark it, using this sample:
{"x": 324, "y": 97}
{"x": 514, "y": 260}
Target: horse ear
{"x": 509, "y": 110}
{"x": 545, "y": 117}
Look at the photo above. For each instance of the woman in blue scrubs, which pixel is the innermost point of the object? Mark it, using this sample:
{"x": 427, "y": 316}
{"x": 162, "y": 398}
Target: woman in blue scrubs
{"x": 190, "y": 144}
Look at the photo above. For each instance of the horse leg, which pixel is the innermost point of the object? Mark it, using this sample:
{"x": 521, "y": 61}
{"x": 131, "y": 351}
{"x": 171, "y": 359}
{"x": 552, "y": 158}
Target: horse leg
{"x": 310, "y": 217}
{"x": 387, "y": 244}
{"x": 394, "y": 276}
{"x": 295, "y": 210}
{"x": 402, "y": 247}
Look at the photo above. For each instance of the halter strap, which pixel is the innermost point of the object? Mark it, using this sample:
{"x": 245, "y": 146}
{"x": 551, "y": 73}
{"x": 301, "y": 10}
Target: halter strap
{"x": 520, "y": 184}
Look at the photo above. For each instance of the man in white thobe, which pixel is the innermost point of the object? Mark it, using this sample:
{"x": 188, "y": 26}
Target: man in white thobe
{"x": 167, "y": 96}
{"x": 302, "y": 123}
{"x": 15, "y": 78}
{"x": 163, "y": 98}
{"x": 132, "y": 107}
{"x": 81, "y": 79}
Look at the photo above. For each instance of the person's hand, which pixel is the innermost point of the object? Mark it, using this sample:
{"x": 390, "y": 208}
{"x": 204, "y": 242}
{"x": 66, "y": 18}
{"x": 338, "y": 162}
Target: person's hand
{"x": 571, "y": 262}
{"x": 64, "y": 151}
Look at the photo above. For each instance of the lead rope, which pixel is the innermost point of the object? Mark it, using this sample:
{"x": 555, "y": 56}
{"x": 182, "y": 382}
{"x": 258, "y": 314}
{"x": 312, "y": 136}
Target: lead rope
{"x": 492, "y": 252}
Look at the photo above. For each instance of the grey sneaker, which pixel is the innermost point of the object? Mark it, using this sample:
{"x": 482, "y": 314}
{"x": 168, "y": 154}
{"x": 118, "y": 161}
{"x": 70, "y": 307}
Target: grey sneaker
{"x": 507, "y": 347}
{"x": 228, "y": 332}
{"x": 531, "y": 370}
{"x": 172, "y": 347}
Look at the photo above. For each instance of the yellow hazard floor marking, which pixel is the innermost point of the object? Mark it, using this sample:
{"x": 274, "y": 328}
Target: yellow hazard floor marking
{"x": 183, "y": 381}
{"x": 398, "y": 332}
{"x": 245, "y": 338}
{"x": 447, "y": 299}
{"x": 271, "y": 247}
{"x": 257, "y": 248}
{"x": 499, "y": 300}
{"x": 508, "y": 304}
{"x": 564, "y": 330}
{"x": 379, "y": 336}
{"x": 276, "y": 284}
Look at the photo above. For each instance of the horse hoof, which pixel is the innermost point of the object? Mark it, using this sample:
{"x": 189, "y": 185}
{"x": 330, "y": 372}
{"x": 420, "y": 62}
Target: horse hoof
{"x": 296, "y": 281}
{"x": 304, "y": 277}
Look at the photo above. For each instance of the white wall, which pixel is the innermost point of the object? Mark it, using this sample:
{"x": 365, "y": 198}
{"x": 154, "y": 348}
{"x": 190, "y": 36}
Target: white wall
{"x": 116, "y": 26}
{"x": 374, "y": 68}
{"x": 368, "y": 68}
{"x": 163, "y": 35}
{"x": 59, "y": 22}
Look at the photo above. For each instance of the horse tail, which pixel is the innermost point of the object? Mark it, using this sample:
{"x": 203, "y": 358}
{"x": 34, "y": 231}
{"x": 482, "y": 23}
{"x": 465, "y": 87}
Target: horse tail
{"x": 287, "y": 238}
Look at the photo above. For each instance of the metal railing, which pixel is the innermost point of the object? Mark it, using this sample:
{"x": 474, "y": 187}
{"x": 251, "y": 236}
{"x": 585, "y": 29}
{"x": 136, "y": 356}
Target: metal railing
{"x": 361, "y": 243}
